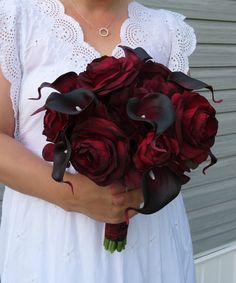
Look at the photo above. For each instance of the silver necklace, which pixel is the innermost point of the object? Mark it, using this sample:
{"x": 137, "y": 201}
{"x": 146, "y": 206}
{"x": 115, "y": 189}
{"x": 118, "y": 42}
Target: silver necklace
{"x": 102, "y": 31}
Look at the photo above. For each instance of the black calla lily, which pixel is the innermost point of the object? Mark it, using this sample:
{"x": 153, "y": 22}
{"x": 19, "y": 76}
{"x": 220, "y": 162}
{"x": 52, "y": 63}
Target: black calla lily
{"x": 62, "y": 154}
{"x": 154, "y": 108}
{"x": 190, "y": 83}
{"x": 142, "y": 54}
{"x": 64, "y": 83}
{"x": 213, "y": 161}
{"x": 160, "y": 186}
{"x": 71, "y": 103}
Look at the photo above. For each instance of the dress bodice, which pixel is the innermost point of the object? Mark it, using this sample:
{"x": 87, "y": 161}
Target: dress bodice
{"x": 39, "y": 42}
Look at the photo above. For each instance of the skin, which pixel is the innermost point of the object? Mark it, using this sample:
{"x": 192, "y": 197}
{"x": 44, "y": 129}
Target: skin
{"x": 99, "y": 13}
{"x": 31, "y": 175}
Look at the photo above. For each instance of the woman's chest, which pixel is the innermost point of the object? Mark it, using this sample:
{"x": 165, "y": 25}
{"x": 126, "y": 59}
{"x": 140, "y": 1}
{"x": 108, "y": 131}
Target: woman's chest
{"x": 53, "y": 42}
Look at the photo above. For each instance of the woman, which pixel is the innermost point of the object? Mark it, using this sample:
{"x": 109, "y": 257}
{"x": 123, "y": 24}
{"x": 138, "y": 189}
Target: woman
{"x": 47, "y": 234}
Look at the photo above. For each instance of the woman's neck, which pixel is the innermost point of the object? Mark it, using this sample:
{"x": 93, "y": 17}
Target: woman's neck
{"x": 99, "y": 5}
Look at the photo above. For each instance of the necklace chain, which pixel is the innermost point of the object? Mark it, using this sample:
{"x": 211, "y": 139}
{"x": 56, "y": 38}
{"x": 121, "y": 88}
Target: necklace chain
{"x": 102, "y": 31}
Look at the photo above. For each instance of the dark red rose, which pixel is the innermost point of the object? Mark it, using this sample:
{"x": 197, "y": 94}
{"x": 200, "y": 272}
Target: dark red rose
{"x": 54, "y": 123}
{"x": 107, "y": 74}
{"x": 119, "y": 99}
{"x": 98, "y": 110}
{"x": 99, "y": 150}
{"x": 117, "y": 106}
{"x": 150, "y": 69}
{"x": 160, "y": 151}
{"x": 195, "y": 125}
{"x": 154, "y": 78}
{"x": 155, "y": 151}
{"x": 48, "y": 152}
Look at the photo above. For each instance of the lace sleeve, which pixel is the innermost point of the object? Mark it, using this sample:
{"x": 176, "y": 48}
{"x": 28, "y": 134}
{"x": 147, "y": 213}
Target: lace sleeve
{"x": 183, "y": 42}
{"x": 9, "y": 50}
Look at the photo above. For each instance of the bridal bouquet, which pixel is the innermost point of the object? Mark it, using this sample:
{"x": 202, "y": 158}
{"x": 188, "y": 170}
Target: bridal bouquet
{"x": 129, "y": 120}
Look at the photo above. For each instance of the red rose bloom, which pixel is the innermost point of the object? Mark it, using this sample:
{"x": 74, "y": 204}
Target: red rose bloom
{"x": 107, "y": 74}
{"x": 195, "y": 125}
{"x": 154, "y": 78}
{"x": 48, "y": 152}
{"x": 99, "y": 150}
{"x": 155, "y": 151}
{"x": 54, "y": 123}
{"x": 117, "y": 105}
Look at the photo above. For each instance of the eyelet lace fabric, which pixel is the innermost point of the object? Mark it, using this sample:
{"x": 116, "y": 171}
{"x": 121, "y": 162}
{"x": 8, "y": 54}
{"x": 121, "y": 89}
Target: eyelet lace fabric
{"x": 135, "y": 32}
{"x": 9, "y": 53}
{"x": 183, "y": 42}
{"x": 70, "y": 33}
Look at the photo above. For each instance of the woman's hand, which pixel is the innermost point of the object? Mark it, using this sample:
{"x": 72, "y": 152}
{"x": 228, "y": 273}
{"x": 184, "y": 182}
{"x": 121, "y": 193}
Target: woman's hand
{"x": 106, "y": 204}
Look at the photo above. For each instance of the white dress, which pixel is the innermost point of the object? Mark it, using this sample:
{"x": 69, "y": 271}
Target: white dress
{"x": 40, "y": 242}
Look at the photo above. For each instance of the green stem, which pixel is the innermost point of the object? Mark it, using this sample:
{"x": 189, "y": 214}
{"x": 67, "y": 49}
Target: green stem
{"x": 106, "y": 244}
{"x": 112, "y": 246}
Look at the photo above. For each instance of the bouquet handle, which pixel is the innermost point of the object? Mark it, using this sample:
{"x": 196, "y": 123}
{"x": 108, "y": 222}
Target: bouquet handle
{"x": 115, "y": 238}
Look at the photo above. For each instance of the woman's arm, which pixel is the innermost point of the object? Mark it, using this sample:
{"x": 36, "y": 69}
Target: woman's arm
{"x": 25, "y": 172}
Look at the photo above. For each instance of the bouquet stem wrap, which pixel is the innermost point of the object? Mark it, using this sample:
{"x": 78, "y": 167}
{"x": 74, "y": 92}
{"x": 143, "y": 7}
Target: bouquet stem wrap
{"x": 115, "y": 237}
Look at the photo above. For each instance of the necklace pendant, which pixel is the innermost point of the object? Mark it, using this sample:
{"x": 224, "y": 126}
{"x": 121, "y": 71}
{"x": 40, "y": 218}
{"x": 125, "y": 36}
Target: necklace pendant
{"x": 104, "y": 32}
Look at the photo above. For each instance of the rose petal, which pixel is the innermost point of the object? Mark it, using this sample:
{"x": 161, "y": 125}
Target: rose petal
{"x": 48, "y": 152}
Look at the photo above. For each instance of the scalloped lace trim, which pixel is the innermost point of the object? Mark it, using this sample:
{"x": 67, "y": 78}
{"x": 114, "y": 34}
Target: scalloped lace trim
{"x": 67, "y": 29}
{"x": 133, "y": 32}
{"x": 9, "y": 58}
{"x": 183, "y": 43}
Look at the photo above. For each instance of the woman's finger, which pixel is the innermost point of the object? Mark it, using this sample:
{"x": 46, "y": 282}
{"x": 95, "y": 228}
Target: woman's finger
{"x": 118, "y": 199}
{"x": 132, "y": 198}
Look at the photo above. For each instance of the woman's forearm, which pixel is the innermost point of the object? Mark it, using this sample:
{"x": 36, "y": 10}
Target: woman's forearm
{"x": 25, "y": 172}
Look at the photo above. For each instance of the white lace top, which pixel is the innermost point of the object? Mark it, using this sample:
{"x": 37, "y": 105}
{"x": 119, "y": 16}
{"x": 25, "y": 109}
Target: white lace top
{"x": 27, "y": 26}
{"x": 38, "y": 241}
